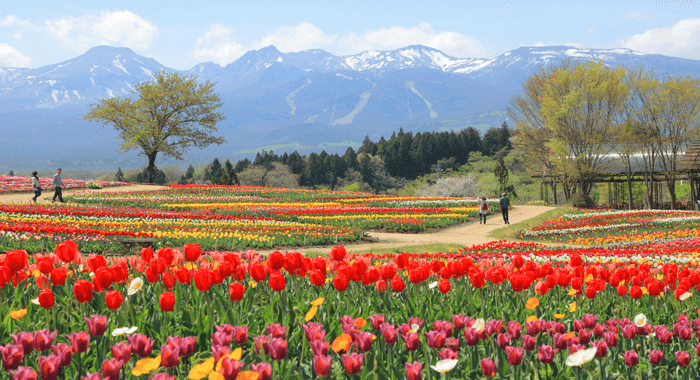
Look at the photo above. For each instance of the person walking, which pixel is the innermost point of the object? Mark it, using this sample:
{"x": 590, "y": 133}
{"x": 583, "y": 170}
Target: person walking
{"x": 36, "y": 186}
{"x": 483, "y": 210}
{"x": 57, "y": 185}
{"x": 504, "y": 205}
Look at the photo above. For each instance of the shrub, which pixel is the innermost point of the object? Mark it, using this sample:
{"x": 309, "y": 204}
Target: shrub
{"x": 461, "y": 187}
{"x": 582, "y": 200}
{"x": 94, "y": 185}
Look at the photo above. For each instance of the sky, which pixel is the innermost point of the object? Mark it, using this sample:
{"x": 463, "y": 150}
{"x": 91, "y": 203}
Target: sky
{"x": 180, "y": 34}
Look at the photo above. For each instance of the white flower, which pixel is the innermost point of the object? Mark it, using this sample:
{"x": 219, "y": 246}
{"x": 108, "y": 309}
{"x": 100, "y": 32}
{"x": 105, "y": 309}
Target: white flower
{"x": 35, "y": 301}
{"x": 445, "y": 365}
{"x": 640, "y": 320}
{"x": 685, "y": 296}
{"x": 135, "y": 285}
{"x": 432, "y": 285}
{"x": 479, "y": 325}
{"x": 415, "y": 327}
{"x": 581, "y": 357}
{"x": 124, "y": 330}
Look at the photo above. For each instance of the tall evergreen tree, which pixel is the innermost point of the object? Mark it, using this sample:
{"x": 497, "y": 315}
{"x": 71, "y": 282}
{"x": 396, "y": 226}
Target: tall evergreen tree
{"x": 119, "y": 177}
{"x": 242, "y": 165}
{"x": 296, "y": 163}
{"x": 351, "y": 159}
{"x": 189, "y": 174}
{"x": 215, "y": 171}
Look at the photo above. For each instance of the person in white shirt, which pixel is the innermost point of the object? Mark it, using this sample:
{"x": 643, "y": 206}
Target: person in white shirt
{"x": 483, "y": 209}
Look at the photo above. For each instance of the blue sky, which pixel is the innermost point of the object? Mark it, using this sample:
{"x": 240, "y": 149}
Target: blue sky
{"x": 180, "y": 34}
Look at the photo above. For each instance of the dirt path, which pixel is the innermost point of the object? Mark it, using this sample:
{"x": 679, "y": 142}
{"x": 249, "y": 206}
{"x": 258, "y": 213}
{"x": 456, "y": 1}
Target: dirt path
{"x": 20, "y": 198}
{"x": 466, "y": 235}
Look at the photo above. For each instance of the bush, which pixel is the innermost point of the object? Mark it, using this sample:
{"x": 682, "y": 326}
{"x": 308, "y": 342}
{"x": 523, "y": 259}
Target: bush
{"x": 94, "y": 185}
{"x": 582, "y": 200}
{"x": 460, "y": 187}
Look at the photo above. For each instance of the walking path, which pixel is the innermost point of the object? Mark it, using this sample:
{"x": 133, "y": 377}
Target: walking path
{"x": 47, "y": 194}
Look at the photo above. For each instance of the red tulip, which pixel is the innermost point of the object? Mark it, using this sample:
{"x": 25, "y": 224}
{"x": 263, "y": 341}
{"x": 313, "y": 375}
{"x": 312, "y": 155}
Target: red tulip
{"x": 488, "y": 367}
{"x": 514, "y": 355}
{"x": 240, "y": 334}
{"x": 631, "y": 358}
{"x": 397, "y": 284}
{"x": 170, "y": 356}
{"x": 96, "y": 262}
{"x": 317, "y": 278}
{"x": 322, "y": 365}
{"x": 436, "y": 339}
{"x": 380, "y": 286}
{"x": 411, "y": 341}
{"x": 24, "y": 373}
{"x": 546, "y": 353}
{"x": 277, "y": 348}
{"x": 97, "y": 325}
{"x": 337, "y": 253}
{"x": 48, "y": 367}
{"x": 413, "y": 371}
{"x": 16, "y": 260}
{"x": 682, "y": 358}
{"x": 276, "y": 330}
{"x": 64, "y": 352}
{"x": 257, "y": 272}
{"x": 277, "y": 281}
{"x": 24, "y": 339}
{"x": 444, "y": 285}
{"x": 45, "y": 265}
{"x": 167, "y": 301}
{"x": 166, "y": 254}
{"x": 59, "y": 276}
{"x": 389, "y": 333}
{"x": 192, "y": 252}
{"x": 387, "y": 271}
{"x": 156, "y": 266}
{"x": 276, "y": 260}
{"x": 66, "y": 251}
{"x": 113, "y": 299}
{"x": 340, "y": 283}
{"x": 121, "y": 351}
{"x": 111, "y": 369}
{"x": 82, "y": 289}
{"x": 319, "y": 347}
{"x": 236, "y": 291}
{"x": 103, "y": 276}
{"x": 352, "y": 363}
{"x": 230, "y": 368}
{"x": 529, "y": 342}
{"x": 146, "y": 254}
{"x": 79, "y": 341}
{"x": 46, "y": 298}
{"x": 363, "y": 340}
{"x": 140, "y": 344}
{"x": 43, "y": 339}
{"x": 377, "y": 321}
{"x": 160, "y": 376}
{"x": 12, "y": 356}
{"x": 203, "y": 279}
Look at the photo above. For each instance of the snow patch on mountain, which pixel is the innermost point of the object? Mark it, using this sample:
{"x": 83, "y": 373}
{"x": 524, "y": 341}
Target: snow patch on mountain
{"x": 118, "y": 64}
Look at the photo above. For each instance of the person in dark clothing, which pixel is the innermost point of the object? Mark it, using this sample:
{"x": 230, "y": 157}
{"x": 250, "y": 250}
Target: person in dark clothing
{"x": 36, "y": 186}
{"x": 504, "y": 205}
{"x": 57, "y": 185}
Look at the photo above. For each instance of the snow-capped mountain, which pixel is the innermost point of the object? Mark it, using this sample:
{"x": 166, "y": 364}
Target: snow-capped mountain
{"x": 305, "y": 98}
{"x": 101, "y": 72}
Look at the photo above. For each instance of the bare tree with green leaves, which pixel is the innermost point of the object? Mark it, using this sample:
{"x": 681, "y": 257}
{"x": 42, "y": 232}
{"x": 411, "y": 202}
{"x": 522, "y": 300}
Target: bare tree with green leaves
{"x": 169, "y": 115}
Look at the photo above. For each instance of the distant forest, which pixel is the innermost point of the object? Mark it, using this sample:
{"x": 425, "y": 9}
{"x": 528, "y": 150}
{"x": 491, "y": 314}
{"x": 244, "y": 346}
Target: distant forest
{"x": 375, "y": 166}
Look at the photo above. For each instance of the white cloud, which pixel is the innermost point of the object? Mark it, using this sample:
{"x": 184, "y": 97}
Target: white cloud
{"x": 590, "y": 30}
{"x": 118, "y": 28}
{"x": 395, "y": 37}
{"x": 639, "y": 16}
{"x": 679, "y": 40}
{"x": 18, "y": 24}
{"x": 540, "y": 44}
{"x": 11, "y": 57}
{"x": 220, "y": 44}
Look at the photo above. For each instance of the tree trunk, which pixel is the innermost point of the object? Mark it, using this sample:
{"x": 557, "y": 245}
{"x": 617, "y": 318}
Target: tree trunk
{"x": 554, "y": 191}
{"x": 151, "y": 166}
{"x": 630, "y": 201}
{"x": 671, "y": 185}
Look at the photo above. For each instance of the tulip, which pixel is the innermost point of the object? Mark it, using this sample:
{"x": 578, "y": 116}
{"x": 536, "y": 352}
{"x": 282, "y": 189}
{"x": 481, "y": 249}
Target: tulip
{"x": 546, "y": 354}
{"x": 488, "y": 367}
{"x": 352, "y": 363}
{"x": 514, "y": 355}
{"x": 59, "y": 276}
{"x": 436, "y": 339}
{"x": 340, "y": 283}
{"x": 447, "y": 354}
{"x": 203, "y": 279}
{"x": 655, "y": 357}
{"x": 230, "y": 368}
{"x": 277, "y": 281}
{"x": 111, "y": 369}
{"x": 276, "y": 330}
{"x": 160, "y": 376}
{"x": 529, "y": 342}
{"x": 444, "y": 326}
{"x": 682, "y": 358}
{"x": 317, "y": 278}
{"x": 12, "y": 356}
{"x": 264, "y": 370}
{"x": 584, "y": 336}
{"x": 337, "y": 253}
{"x": 610, "y": 339}
{"x": 46, "y": 298}
{"x": 166, "y": 254}
{"x": 444, "y": 286}
{"x": 236, "y": 291}
{"x": 220, "y": 338}
{"x": 146, "y": 254}
{"x": 452, "y": 344}
{"x": 389, "y": 333}
{"x": 411, "y": 341}
{"x": 113, "y": 299}
{"x": 363, "y": 340}
{"x": 259, "y": 342}
{"x": 43, "y": 339}
{"x": 380, "y": 286}
{"x": 322, "y": 365}
{"x": 140, "y": 344}
{"x": 503, "y": 340}
{"x": 79, "y": 341}
{"x": 64, "y": 352}
{"x": 121, "y": 351}
{"x": 397, "y": 284}
{"x": 219, "y": 351}
{"x": 24, "y": 373}
{"x": 192, "y": 252}
{"x": 277, "y": 348}
{"x": 169, "y": 356}
{"x": 167, "y": 301}
{"x": 471, "y": 336}
{"x": 631, "y": 358}
{"x": 66, "y": 251}
{"x": 48, "y": 367}
{"x": 82, "y": 289}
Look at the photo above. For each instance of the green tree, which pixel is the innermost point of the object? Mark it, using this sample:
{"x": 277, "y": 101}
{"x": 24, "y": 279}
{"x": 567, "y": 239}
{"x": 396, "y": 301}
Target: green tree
{"x": 171, "y": 114}
{"x": 501, "y": 172}
{"x": 231, "y": 177}
{"x": 189, "y": 174}
{"x": 11, "y": 173}
{"x": 215, "y": 171}
{"x": 119, "y": 177}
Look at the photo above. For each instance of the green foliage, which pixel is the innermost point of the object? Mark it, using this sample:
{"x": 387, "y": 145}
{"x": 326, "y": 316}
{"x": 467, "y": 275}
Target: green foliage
{"x": 159, "y": 177}
{"x": 119, "y": 177}
{"x": 582, "y": 200}
{"x": 11, "y": 173}
{"x": 171, "y": 114}
{"x": 355, "y": 187}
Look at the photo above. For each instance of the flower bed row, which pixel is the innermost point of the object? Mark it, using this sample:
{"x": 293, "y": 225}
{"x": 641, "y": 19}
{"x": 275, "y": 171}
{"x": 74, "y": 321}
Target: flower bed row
{"x": 19, "y": 183}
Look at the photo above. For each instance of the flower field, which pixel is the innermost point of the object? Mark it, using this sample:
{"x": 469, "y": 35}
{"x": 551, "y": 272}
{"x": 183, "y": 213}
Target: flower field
{"x": 612, "y": 228}
{"x": 502, "y": 310}
{"x": 335, "y": 208}
{"x": 19, "y": 183}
